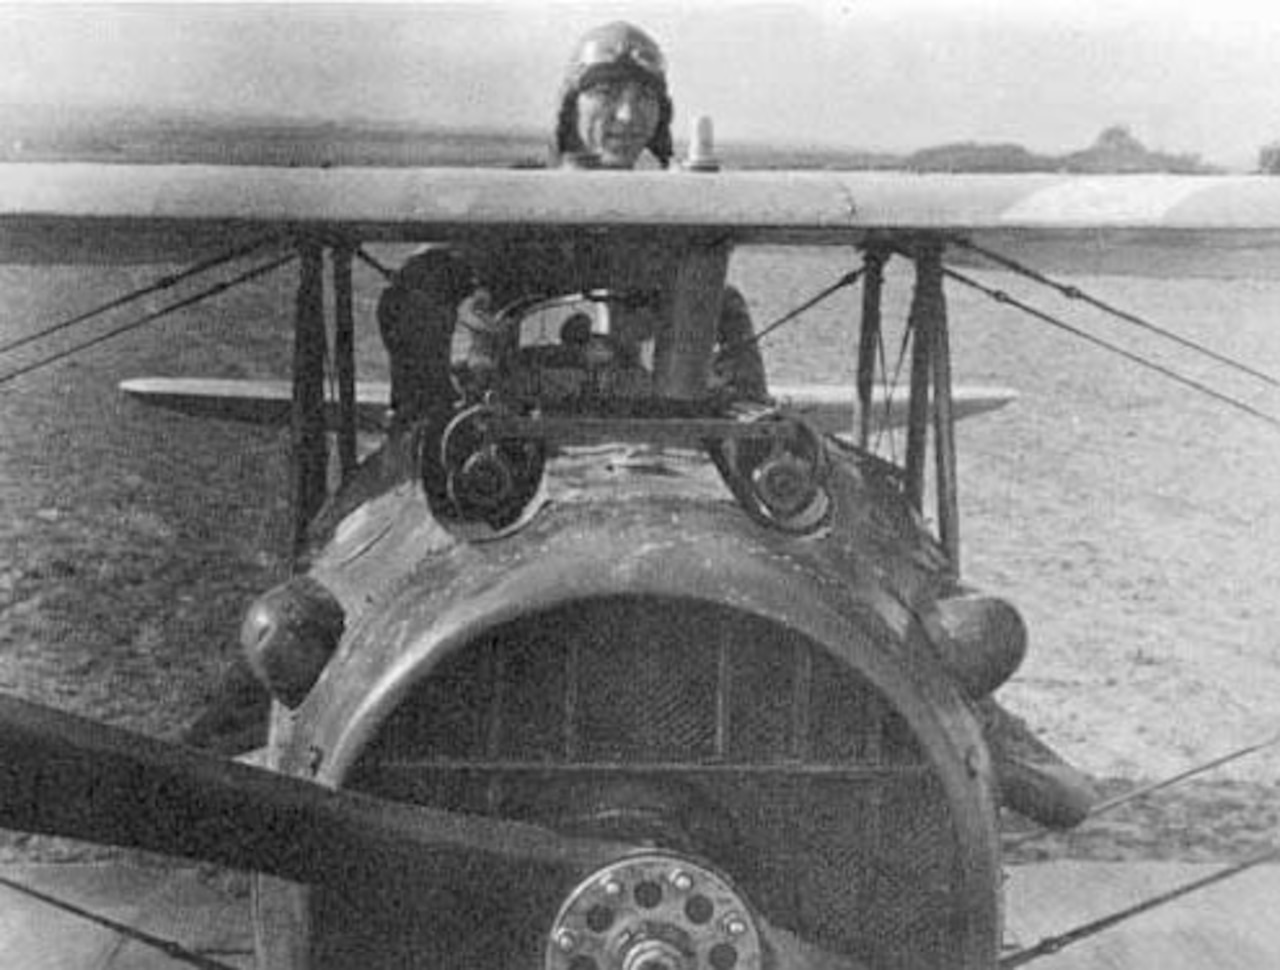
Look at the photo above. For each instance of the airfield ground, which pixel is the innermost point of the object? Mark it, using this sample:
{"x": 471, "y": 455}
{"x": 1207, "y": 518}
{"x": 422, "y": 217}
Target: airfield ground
{"x": 1134, "y": 524}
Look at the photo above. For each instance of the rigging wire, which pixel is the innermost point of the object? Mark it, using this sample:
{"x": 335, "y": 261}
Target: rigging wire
{"x": 890, "y": 386}
{"x": 1111, "y": 804}
{"x": 163, "y": 283}
{"x": 1000, "y": 296}
{"x": 1075, "y": 293}
{"x": 882, "y": 358}
{"x": 170, "y": 948}
{"x": 363, "y": 255}
{"x": 214, "y": 290}
{"x": 1053, "y": 944}
{"x": 848, "y": 279}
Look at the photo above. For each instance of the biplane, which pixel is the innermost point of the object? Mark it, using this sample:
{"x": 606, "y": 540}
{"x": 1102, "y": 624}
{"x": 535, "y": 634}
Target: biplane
{"x": 608, "y": 670}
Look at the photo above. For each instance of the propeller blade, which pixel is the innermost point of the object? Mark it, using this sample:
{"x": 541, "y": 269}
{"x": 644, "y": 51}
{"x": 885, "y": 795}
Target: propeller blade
{"x": 64, "y": 775}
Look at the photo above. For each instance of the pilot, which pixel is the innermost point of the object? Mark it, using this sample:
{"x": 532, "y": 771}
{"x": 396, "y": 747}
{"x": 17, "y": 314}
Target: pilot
{"x": 614, "y": 108}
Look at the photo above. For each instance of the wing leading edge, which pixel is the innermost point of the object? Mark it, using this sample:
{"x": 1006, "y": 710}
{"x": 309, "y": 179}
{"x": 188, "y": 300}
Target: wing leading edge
{"x": 71, "y": 213}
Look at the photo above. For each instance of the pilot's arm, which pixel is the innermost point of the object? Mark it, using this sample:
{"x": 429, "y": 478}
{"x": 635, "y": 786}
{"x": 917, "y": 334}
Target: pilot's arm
{"x": 417, "y": 315}
{"x": 738, "y": 364}
{"x": 490, "y": 340}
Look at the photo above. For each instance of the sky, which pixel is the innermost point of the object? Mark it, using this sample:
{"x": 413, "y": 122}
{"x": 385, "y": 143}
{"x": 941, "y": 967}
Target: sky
{"x": 894, "y": 75}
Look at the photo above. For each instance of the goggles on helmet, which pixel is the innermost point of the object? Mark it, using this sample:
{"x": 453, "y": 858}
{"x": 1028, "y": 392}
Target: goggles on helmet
{"x": 617, "y": 51}
{"x": 621, "y": 51}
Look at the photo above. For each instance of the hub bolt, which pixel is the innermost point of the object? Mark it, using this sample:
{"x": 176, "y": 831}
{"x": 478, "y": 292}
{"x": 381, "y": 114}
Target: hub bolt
{"x": 682, "y": 880}
{"x": 735, "y": 925}
{"x": 612, "y": 887}
{"x": 565, "y": 941}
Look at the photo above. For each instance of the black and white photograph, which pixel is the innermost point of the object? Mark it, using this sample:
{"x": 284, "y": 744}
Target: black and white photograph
{"x": 648, "y": 485}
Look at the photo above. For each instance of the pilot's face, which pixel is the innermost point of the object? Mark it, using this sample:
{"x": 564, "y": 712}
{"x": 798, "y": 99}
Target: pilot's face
{"x": 616, "y": 120}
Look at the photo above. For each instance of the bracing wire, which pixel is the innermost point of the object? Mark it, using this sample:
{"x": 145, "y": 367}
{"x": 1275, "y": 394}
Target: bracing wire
{"x": 163, "y": 283}
{"x": 170, "y": 948}
{"x": 386, "y": 272}
{"x": 1001, "y": 296}
{"x": 890, "y": 385}
{"x": 847, "y": 280}
{"x": 1075, "y": 293}
{"x": 1143, "y": 790}
{"x": 1053, "y": 944}
{"x": 214, "y": 290}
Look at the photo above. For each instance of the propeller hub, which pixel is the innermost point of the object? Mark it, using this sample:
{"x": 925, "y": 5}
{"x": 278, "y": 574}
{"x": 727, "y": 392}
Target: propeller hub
{"x": 654, "y": 911}
{"x": 654, "y": 955}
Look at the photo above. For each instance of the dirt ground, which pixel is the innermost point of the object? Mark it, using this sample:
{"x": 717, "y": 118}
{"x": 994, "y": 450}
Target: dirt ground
{"x": 1133, "y": 523}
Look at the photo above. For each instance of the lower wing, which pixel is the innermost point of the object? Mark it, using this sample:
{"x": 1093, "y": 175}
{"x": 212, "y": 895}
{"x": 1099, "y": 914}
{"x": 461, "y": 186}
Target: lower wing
{"x": 829, "y": 407}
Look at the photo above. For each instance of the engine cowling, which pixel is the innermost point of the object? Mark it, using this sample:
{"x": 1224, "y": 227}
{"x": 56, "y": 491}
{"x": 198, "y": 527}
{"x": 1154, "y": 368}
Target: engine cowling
{"x": 673, "y": 675}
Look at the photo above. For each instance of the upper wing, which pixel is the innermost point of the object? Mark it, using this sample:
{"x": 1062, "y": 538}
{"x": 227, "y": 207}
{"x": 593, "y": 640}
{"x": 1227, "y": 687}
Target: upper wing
{"x": 65, "y": 213}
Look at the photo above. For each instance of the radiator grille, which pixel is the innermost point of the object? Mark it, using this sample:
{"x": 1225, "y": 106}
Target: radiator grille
{"x": 832, "y": 822}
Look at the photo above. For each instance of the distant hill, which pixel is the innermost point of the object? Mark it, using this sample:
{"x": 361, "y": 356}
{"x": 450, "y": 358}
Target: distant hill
{"x": 975, "y": 157}
{"x": 755, "y": 155}
{"x": 142, "y": 136}
{"x": 1114, "y": 151}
